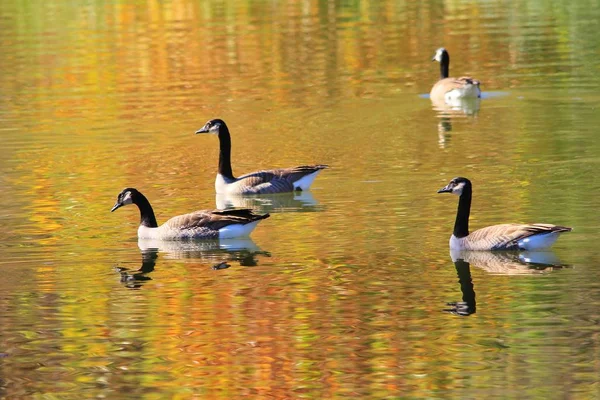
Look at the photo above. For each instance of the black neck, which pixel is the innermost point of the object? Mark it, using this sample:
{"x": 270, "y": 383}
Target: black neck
{"x": 225, "y": 153}
{"x": 461, "y": 225}
{"x": 445, "y": 66}
{"x": 147, "y": 217}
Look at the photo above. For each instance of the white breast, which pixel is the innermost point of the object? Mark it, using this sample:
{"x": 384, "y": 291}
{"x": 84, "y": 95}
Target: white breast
{"x": 458, "y": 244}
{"x": 147, "y": 233}
{"x": 220, "y": 184}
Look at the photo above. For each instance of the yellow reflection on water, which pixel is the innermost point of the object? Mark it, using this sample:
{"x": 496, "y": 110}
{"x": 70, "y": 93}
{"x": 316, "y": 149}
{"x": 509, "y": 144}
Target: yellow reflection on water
{"x": 344, "y": 292}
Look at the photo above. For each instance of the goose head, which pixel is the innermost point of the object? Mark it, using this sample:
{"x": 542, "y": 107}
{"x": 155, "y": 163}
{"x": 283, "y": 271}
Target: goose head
{"x": 213, "y": 126}
{"x": 127, "y": 196}
{"x": 456, "y": 186}
{"x": 440, "y": 54}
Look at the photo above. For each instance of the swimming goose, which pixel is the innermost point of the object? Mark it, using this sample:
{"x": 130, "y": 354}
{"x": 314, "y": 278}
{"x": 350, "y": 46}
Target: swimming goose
{"x": 203, "y": 224}
{"x": 259, "y": 182}
{"x": 496, "y": 237}
{"x": 451, "y": 89}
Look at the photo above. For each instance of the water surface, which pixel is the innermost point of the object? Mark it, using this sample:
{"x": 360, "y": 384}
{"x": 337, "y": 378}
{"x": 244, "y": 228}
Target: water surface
{"x": 343, "y": 291}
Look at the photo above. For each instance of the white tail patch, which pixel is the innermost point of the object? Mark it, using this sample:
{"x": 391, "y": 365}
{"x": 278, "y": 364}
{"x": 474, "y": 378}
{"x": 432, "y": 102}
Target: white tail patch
{"x": 467, "y": 91}
{"x": 540, "y": 241}
{"x": 237, "y": 230}
{"x": 307, "y": 180}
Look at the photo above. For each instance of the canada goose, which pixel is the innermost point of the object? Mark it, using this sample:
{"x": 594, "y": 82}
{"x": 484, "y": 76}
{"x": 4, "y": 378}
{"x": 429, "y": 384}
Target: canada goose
{"x": 203, "y": 224}
{"x": 259, "y": 182}
{"x": 449, "y": 89}
{"x": 496, "y": 237}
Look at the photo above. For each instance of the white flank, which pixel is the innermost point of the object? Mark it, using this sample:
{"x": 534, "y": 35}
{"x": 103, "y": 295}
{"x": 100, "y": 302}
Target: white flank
{"x": 237, "y": 230}
{"x": 307, "y": 180}
{"x": 541, "y": 241}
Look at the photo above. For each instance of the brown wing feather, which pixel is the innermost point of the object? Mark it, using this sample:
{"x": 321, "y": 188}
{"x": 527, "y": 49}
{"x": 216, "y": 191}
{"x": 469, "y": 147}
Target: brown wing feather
{"x": 213, "y": 219}
{"x": 274, "y": 180}
{"x": 507, "y": 236}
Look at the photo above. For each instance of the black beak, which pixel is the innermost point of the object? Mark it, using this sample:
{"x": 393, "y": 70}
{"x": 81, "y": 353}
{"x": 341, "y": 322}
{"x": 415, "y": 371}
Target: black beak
{"x": 204, "y": 129}
{"x": 446, "y": 189}
{"x": 433, "y": 58}
{"x": 117, "y": 205}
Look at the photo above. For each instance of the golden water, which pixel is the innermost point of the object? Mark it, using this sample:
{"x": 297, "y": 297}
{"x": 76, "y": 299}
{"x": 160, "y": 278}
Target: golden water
{"x": 342, "y": 291}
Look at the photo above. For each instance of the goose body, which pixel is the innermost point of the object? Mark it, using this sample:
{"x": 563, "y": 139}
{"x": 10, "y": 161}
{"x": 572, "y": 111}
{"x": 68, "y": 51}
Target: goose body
{"x": 448, "y": 89}
{"x": 495, "y": 237}
{"x": 203, "y": 224}
{"x": 259, "y": 182}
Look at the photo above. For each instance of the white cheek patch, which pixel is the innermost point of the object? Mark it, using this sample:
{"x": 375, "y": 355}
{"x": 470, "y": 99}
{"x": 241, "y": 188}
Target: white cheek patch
{"x": 438, "y": 55}
{"x": 214, "y": 129}
{"x": 458, "y": 189}
{"x": 127, "y": 198}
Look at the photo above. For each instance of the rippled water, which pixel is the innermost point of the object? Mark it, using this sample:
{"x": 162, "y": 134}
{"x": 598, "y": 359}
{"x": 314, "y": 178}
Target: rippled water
{"x": 344, "y": 291}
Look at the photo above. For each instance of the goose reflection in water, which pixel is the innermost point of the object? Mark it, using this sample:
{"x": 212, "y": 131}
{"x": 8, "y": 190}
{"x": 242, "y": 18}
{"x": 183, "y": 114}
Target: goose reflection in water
{"x": 501, "y": 263}
{"x": 510, "y": 262}
{"x": 457, "y": 107}
{"x": 299, "y": 201}
{"x": 447, "y": 112}
{"x": 220, "y": 252}
{"x": 135, "y": 279}
{"x": 244, "y": 251}
{"x": 468, "y": 304}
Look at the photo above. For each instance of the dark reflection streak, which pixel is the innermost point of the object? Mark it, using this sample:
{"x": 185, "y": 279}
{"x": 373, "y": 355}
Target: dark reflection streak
{"x": 468, "y": 305}
{"x": 134, "y": 280}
